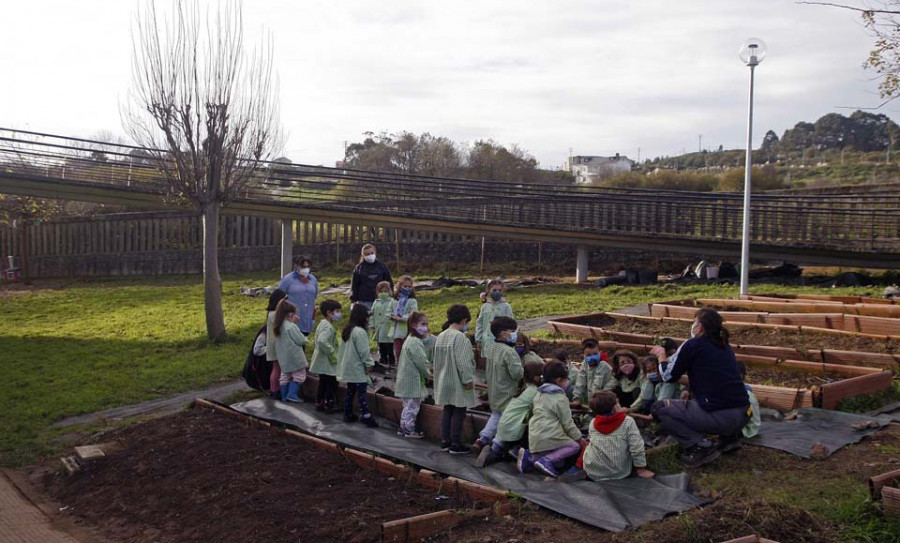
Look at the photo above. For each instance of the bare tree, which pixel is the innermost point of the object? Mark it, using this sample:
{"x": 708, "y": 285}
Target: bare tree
{"x": 208, "y": 113}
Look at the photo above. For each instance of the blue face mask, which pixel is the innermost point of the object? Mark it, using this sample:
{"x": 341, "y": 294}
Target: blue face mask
{"x": 653, "y": 377}
{"x": 406, "y": 291}
{"x": 335, "y": 316}
{"x": 496, "y": 295}
{"x": 520, "y": 349}
{"x": 592, "y": 360}
{"x": 464, "y": 329}
{"x": 513, "y": 336}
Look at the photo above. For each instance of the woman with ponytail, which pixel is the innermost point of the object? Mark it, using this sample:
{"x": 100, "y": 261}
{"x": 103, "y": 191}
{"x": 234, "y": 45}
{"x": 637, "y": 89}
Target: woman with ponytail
{"x": 718, "y": 402}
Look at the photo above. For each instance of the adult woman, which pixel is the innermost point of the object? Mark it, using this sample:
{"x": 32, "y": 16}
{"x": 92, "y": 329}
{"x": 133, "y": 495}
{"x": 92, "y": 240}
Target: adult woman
{"x": 301, "y": 288}
{"x": 366, "y": 275}
{"x": 719, "y": 403}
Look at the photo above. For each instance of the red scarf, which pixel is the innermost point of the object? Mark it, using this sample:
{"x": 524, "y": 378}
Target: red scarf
{"x": 606, "y": 424}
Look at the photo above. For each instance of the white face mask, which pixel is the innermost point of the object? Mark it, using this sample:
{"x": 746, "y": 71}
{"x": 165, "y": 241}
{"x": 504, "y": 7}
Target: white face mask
{"x": 370, "y": 258}
{"x": 303, "y": 271}
{"x": 693, "y": 330}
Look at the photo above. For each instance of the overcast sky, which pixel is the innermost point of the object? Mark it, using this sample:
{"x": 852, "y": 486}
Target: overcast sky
{"x": 597, "y": 77}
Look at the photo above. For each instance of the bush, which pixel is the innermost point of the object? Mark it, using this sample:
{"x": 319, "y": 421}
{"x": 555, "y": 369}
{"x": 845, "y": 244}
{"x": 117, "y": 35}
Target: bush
{"x": 663, "y": 179}
{"x": 762, "y": 178}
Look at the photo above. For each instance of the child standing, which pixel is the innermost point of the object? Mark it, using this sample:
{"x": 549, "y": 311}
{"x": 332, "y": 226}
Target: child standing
{"x": 289, "y": 343}
{"x": 324, "y": 358}
{"x": 627, "y": 373}
{"x": 553, "y": 437}
{"x": 354, "y": 364}
{"x": 454, "y": 377}
{"x": 514, "y": 421}
{"x": 381, "y": 324}
{"x": 412, "y": 372}
{"x": 616, "y": 446}
{"x": 274, "y": 387}
{"x": 494, "y": 306}
{"x": 503, "y": 371}
{"x": 595, "y": 373}
{"x": 404, "y": 305}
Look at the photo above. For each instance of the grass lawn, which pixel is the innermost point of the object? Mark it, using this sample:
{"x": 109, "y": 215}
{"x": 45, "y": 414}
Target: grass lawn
{"x": 84, "y": 346}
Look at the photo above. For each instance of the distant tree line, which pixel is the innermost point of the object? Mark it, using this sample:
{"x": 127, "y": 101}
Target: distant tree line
{"x": 440, "y": 156}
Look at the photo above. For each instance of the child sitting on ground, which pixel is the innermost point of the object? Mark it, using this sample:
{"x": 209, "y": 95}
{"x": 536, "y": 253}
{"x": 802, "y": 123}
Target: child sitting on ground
{"x": 324, "y": 358}
{"x": 523, "y": 349}
{"x": 513, "y": 423}
{"x": 381, "y": 324}
{"x": 553, "y": 437}
{"x": 616, "y": 447}
{"x": 503, "y": 369}
{"x": 412, "y": 372}
{"x": 652, "y": 387}
{"x": 628, "y": 376}
{"x": 562, "y": 357}
{"x": 595, "y": 373}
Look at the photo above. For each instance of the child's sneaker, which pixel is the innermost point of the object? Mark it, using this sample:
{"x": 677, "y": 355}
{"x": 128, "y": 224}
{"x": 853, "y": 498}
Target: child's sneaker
{"x": 478, "y": 445}
{"x": 524, "y": 463}
{"x": 485, "y": 458}
{"x": 445, "y": 446}
{"x": 573, "y": 474}
{"x": 370, "y": 421}
{"x": 545, "y": 466}
{"x": 414, "y": 434}
{"x": 459, "y": 449}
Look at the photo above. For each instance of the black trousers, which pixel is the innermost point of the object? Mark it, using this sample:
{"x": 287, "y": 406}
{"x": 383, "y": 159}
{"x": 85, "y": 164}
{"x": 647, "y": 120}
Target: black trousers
{"x": 327, "y": 388}
{"x": 451, "y": 425}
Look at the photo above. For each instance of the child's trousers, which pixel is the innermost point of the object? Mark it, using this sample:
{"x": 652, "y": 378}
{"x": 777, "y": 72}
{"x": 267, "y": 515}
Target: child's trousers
{"x": 451, "y": 424}
{"x": 560, "y": 454}
{"x": 409, "y": 414}
{"x": 490, "y": 428}
{"x": 356, "y": 390}
{"x": 327, "y": 388}
{"x": 386, "y": 352}
{"x": 275, "y": 378}
{"x": 298, "y": 376}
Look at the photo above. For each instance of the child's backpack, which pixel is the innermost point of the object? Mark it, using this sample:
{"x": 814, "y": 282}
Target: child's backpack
{"x": 257, "y": 369}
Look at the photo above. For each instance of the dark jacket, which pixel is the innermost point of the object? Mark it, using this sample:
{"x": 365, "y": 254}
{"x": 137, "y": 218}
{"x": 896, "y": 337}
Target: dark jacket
{"x": 365, "y": 277}
{"x": 715, "y": 378}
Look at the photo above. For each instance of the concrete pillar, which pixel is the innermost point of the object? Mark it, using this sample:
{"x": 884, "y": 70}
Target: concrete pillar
{"x": 287, "y": 244}
{"x": 581, "y": 268}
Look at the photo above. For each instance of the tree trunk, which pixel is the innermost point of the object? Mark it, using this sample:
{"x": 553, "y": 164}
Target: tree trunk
{"x": 212, "y": 283}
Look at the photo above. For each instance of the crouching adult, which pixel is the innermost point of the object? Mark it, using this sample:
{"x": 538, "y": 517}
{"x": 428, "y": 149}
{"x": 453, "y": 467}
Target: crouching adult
{"x": 718, "y": 403}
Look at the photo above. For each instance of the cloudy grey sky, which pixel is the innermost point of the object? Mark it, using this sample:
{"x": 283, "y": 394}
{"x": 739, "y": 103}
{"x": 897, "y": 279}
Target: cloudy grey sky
{"x": 598, "y": 76}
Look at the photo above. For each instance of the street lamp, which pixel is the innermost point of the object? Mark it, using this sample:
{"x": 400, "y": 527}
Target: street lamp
{"x": 752, "y": 52}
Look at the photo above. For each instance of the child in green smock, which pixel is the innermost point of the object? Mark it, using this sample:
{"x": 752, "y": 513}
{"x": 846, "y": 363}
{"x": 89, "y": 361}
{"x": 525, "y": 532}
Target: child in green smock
{"x": 412, "y": 372}
{"x": 355, "y": 363}
{"x": 325, "y": 355}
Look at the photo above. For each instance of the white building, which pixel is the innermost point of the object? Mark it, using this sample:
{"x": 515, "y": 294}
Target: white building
{"x": 588, "y": 169}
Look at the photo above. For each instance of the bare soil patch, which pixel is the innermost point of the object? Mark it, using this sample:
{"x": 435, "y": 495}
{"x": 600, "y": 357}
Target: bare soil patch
{"x": 200, "y": 476}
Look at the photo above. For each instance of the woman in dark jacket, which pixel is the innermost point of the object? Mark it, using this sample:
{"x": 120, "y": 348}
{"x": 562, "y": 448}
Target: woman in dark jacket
{"x": 366, "y": 275}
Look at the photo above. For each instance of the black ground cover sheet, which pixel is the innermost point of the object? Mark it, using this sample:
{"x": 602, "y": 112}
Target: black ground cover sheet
{"x": 811, "y": 426}
{"x": 611, "y": 505}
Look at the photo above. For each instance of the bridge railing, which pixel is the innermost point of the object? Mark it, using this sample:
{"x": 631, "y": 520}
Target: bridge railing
{"x": 867, "y": 222}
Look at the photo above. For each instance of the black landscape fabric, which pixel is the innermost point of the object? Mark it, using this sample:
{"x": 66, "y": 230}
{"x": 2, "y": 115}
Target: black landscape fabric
{"x": 611, "y": 505}
{"x": 811, "y": 426}
{"x": 891, "y": 411}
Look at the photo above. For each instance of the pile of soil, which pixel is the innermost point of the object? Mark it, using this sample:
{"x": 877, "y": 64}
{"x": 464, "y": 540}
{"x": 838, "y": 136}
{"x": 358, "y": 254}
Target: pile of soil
{"x": 803, "y": 341}
{"x": 202, "y": 476}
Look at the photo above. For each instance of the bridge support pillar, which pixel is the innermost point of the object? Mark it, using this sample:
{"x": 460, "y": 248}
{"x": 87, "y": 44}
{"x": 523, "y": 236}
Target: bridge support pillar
{"x": 287, "y": 244}
{"x": 581, "y": 267}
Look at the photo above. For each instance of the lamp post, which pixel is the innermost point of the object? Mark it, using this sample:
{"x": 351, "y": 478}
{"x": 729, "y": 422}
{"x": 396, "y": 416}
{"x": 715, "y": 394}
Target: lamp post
{"x": 752, "y": 52}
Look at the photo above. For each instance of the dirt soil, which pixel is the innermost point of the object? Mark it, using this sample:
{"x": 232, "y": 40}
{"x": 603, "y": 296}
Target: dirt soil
{"x": 201, "y": 476}
{"x": 802, "y": 341}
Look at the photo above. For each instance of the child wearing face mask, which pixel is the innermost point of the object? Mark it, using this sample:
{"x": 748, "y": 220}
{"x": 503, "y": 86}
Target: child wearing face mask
{"x": 503, "y": 370}
{"x": 595, "y": 373}
{"x": 562, "y": 357}
{"x": 324, "y": 359}
{"x": 404, "y": 305}
{"x": 454, "y": 377}
{"x": 627, "y": 373}
{"x": 412, "y": 372}
{"x": 494, "y": 306}
{"x": 652, "y": 387}
{"x": 523, "y": 349}
{"x": 381, "y": 324}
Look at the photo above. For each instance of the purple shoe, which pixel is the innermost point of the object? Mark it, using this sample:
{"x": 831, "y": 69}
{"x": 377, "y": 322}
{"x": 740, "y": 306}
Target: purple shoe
{"x": 545, "y": 466}
{"x": 523, "y": 461}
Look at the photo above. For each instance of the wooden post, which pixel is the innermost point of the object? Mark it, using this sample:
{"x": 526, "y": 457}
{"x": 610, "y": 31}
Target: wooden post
{"x": 481, "y": 267}
{"x": 23, "y": 254}
{"x": 397, "y": 243}
{"x": 287, "y": 242}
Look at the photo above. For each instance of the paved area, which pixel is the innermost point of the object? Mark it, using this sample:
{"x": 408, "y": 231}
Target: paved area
{"x": 21, "y": 521}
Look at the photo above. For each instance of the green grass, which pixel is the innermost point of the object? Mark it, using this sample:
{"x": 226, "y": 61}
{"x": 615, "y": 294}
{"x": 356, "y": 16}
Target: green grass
{"x": 91, "y": 345}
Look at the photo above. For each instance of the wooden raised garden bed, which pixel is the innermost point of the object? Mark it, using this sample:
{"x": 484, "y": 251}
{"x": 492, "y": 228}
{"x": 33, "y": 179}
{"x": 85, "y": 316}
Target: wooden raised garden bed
{"x": 800, "y": 306}
{"x": 819, "y": 298}
{"x": 782, "y": 377}
{"x": 827, "y": 316}
{"x": 886, "y": 487}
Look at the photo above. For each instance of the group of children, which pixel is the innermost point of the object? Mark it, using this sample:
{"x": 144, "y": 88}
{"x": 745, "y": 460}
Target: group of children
{"x": 531, "y": 402}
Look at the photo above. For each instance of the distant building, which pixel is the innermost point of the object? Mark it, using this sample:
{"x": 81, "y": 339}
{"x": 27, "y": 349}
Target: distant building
{"x": 588, "y": 169}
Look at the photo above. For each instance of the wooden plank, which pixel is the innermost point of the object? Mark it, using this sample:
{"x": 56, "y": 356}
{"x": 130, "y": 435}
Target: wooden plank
{"x": 782, "y": 398}
{"x": 833, "y": 393}
{"x": 417, "y": 528}
{"x": 853, "y": 358}
{"x": 877, "y": 482}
